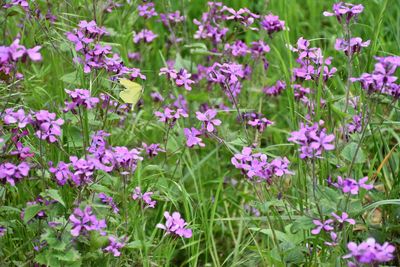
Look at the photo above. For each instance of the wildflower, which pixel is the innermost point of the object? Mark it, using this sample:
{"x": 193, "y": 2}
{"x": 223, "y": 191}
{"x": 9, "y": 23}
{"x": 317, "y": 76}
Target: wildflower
{"x": 10, "y": 173}
{"x": 19, "y": 117}
{"x": 156, "y": 96}
{"x": 272, "y": 24}
{"x": 3, "y": 230}
{"x": 126, "y": 159}
{"x": 275, "y": 89}
{"x": 208, "y": 120}
{"x": 147, "y": 10}
{"x": 313, "y": 140}
{"x": 334, "y": 239}
{"x": 181, "y": 77}
{"x": 80, "y": 97}
{"x": 22, "y": 151}
{"x": 169, "y": 116}
{"x": 237, "y": 49}
{"x": 351, "y": 186}
{"x": 152, "y": 149}
{"x": 369, "y": 252}
{"x": 354, "y": 45}
{"x": 260, "y": 124}
{"x": 175, "y": 225}
{"x": 109, "y": 201}
{"x": 114, "y": 246}
{"x": 322, "y": 225}
{"x": 192, "y": 138}
{"x": 343, "y": 218}
{"x": 146, "y": 197}
{"x": 145, "y": 35}
{"x": 62, "y": 172}
{"x": 48, "y": 127}
{"x": 345, "y": 11}
{"x": 84, "y": 221}
{"x": 172, "y": 18}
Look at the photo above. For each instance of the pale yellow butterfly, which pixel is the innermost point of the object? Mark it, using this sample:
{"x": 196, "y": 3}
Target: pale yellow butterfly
{"x": 132, "y": 93}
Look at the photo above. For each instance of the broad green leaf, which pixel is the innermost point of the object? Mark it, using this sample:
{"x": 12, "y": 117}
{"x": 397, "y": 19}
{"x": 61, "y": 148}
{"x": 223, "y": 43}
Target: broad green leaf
{"x": 31, "y": 212}
{"x": 54, "y": 194}
{"x": 349, "y": 151}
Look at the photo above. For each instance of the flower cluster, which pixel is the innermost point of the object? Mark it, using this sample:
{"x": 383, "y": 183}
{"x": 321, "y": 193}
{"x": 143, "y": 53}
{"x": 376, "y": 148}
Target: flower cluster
{"x": 144, "y": 35}
{"x": 256, "y": 167}
{"x": 171, "y": 19}
{"x": 260, "y": 123}
{"x": 145, "y": 197}
{"x": 345, "y": 11}
{"x": 170, "y": 116}
{"x": 272, "y": 24}
{"x": 84, "y": 221}
{"x": 93, "y": 55}
{"x": 313, "y": 140}
{"x": 352, "y": 47}
{"x": 108, "y": 201}
{"x": 181, "y": 77}
{"x": 80, "y": 97}
{"x": 10, "y": 55}
{"x": 275, "y": 89}
{"x": 351, "y": 186}
{"x": 114, "y": 246}
{"x": 369, "y": 252}
{"x": 382, "y": 79}
{"x": 47, "y": 126}
{"x": 175, "y": 225}
{"x": 312, "y": 62}
{"x": 147, "y": 10}
{"x": 11, "y": 173}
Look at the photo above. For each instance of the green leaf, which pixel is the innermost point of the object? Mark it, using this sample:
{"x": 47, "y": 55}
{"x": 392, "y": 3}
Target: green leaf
{"x": 71, "y": 78}
{"x": 54, "y": 194}
{"x": 281, "y": 236}
{"x": 31, "y": 212}
{"x": 349, "y": 152}
{"x": 302, "y": 223}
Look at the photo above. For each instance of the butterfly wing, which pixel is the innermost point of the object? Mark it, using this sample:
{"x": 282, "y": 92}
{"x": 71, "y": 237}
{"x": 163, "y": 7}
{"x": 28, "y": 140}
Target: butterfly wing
{"x": 132, "y": 92}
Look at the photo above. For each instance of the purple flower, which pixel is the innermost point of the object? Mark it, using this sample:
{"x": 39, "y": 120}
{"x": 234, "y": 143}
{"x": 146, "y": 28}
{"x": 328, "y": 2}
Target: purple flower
{"x": 275, "y": 89}
{"x": 183, "y": 79}
{"x": 345, "y": 11}
{"x": 48, "y": 127}
{"x": 351, "y": 186}
{"x": 147, "y": 10}
{"x": 192, "y": 138}
{"x": 354, "y": 45}
{"x": 145, "y": 35}
{"x": 146, "y": 197}
{"x": 208, "y": 120}
{"x": 172, "y": 18}
{"x": 343, "y": 218}
{"x": 272, "y": 24}
{"x": 237, "y": 49}
{"x": 109, "y": 201}
{"x": 80, "y": 97}
{"x": 62, "y": 172}
{"x": 175, "y": 225}
{"x": 334, "y": 239}
{"x": 322, "y": 225}
{"x": 3, "y": 230}
{"x": 10, "y": 173}
{"x": 152, "y": 149}
{"x": 169, "y": 116}
{"x": 369, "y": 252}
{"x": 114, "y": 246}
{"x": 260, "y": 123}
{"x": 84, "y": 221}
{"x": 19, "y": 117}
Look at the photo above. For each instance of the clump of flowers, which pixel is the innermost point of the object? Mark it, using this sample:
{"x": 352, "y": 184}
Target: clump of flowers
{"x": 144, "y": 35}
{"x": 345, "y": 11}
{"x": 352, "y": 47}
{"x": 181, "y": 77}
{"x": 80, "y": 97}
{"x": 48, "y": 127}
{"x": 313, "y": 140}
{"x": 84, "y": 221}
{"x": 382, "y": 79}
{"x": 260, "y": 123}
{"x": 175, "y": 225}
{"x": 170, "y": 116}
{"x": 12, "y": 174}
{"x": 108, "y": 201}
{"x": 145, "y": 197}
{"x": 152, "y": 149}
{"x": 114, "y": 246}
{"x": 11, "y": 55}
{"x": 369, "y": 252}
{"x": 351, "y": 186}
{"x": 192, "y": 137}
{"x": 275, "y": 89}
{"x": 272, "y": 24}
{"x": 147, "y": 10}
{"x": 256, "y": 167}
{"x": 171, "y": 19}
{"x": 208, "y": 120}
{"x": 237, "y": 49}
